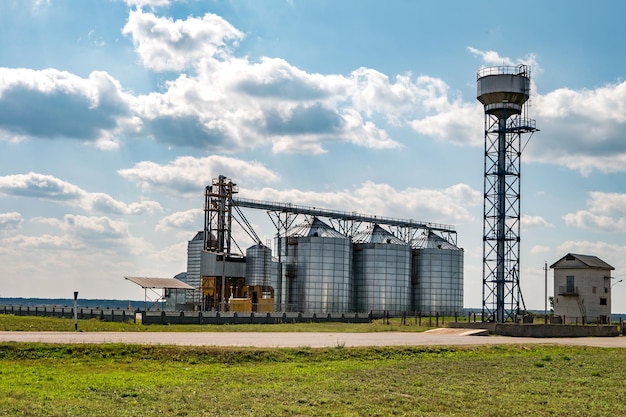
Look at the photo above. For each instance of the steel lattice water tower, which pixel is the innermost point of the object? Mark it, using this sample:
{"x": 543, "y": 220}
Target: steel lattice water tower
{"x": 504, "y": 92}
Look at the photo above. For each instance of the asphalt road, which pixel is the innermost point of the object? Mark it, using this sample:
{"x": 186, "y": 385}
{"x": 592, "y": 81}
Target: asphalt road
{"x": 439, "y": 337}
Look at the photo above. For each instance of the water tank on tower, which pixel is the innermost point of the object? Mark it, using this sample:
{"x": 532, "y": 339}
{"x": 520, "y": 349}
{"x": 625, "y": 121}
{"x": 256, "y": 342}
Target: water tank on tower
{"x": 504, "y": 93}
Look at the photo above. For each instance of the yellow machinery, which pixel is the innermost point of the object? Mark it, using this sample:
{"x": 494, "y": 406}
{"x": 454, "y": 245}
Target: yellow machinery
{"x": 240, "y": 298}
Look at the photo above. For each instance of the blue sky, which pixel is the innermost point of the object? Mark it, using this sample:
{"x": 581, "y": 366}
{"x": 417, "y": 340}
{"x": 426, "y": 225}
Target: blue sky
{"x": 115, "y": 114}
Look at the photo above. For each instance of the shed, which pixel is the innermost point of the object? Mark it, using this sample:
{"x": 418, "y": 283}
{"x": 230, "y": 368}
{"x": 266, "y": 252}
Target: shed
{"x": 154, "y": 284}
{"x": 582, "y": 289}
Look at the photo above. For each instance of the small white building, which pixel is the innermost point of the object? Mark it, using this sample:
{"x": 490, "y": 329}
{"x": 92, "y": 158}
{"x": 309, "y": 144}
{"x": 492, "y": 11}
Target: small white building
{"x": 582, "y": 289}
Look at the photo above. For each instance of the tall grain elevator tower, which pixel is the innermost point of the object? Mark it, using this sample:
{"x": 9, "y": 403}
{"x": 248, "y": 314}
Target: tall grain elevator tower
{"x": 504, "y": 92}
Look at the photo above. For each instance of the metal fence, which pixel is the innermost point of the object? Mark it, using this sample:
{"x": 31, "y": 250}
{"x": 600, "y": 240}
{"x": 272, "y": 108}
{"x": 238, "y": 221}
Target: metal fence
{"x": 114, "y": 315}
{"x": 430, "y": 319}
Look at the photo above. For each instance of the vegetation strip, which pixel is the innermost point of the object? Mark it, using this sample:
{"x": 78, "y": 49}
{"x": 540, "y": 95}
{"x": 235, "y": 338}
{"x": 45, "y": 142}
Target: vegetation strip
{"x": 129, "y": 380}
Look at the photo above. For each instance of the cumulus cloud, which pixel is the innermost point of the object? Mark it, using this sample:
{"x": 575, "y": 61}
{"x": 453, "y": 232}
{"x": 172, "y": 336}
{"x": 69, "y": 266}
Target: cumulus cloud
{"x": 586, "y": 220}
{"x": 48, "y": 187}
{"x": 585, "y": 128}
{"x": 189, "y": 175}
{"x": 607, "y": 203}
{"x": 224, "y": 102}
{"x": 56, "y": 104}
{"x": 539, "y": 249}
{"x": 446, "y": 116}
{"x": 605, "y": 212}
{"x": 10, "y": 221}
{"x": 493, "y": 59}
{"x": 182, "y": 220}
{"x": 534, "y": 222}
{"x": 89, "y": 233}
{"x": 153, "y": 4}
{"x": 165, "y": 44}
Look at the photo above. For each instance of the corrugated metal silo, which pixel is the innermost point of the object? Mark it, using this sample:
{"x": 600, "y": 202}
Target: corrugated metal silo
{"x": 194, "y": 255}
{"x": 317, "y": 269}
{"x": 382, "y": 271}
{"x": 258, "y": 265}
{"x": 437, "y": 275}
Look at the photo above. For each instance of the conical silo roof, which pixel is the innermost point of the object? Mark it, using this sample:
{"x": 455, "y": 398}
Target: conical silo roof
{"x": 429, "y": 240}
{"x": 314, "y": 228}
{"x": 376, "y": 234}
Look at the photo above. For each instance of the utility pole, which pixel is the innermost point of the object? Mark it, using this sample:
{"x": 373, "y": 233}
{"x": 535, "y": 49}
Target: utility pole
{"x": 75, "y": 311}
{"x": 545, "y": 305}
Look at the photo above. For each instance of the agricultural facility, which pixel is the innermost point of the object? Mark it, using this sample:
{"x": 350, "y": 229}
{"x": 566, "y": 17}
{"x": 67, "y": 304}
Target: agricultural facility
{"x": 322, "y": 261}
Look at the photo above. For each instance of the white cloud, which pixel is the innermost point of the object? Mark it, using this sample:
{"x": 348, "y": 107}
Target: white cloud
{"x": 460, "y": 123}
{"x": 182, "y": 220}
{"x": 590, "y": 221}
{"x": 10, "y": 221}
{"x": 583, "y": 129}
{"x": 165, "y": 44}
{"x": 189, "y": 175}
{"x": 607, "y": 203}
{"x": 493, "y": 59}
{"x": 603, "y": 208}
{"x": 539, "y": 249}
{"x": 534, "y": 222}
{"x": 48, "y": 187}
{"x": 40, "y": 5}
{"x": 56, "y": 104}
{"x": 150, "y": 3}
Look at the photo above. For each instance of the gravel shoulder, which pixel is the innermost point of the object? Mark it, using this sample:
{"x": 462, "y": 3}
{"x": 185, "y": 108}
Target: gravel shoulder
{"x": 458, "y": 337}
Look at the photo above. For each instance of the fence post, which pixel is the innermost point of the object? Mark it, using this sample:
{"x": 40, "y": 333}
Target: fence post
{"x": 437, "y": 318}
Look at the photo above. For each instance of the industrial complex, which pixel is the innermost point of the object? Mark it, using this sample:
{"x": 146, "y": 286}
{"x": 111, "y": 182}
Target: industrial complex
{"x": 322, "y": 261}
{"x": 329, "y": 261}
{"x": 326, "y": 261}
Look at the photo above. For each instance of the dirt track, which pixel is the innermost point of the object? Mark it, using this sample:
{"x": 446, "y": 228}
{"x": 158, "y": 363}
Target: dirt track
{"x": 442, "y": 337}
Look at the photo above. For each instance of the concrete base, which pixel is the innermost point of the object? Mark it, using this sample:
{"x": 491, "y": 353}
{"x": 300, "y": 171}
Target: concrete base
{"x": 542, "y": 330}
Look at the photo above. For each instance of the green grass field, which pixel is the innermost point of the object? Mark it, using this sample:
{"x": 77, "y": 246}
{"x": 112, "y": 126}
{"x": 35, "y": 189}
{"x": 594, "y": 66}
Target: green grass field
{"x": 134, "y": 380}
{"x": 33, "y": 323}
{"x": 130, "y": 380}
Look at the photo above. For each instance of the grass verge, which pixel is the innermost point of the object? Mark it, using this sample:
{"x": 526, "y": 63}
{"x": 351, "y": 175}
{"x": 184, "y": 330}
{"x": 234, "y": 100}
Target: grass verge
{"x": 9, "y": 322}
{"x": 130, "y": 380}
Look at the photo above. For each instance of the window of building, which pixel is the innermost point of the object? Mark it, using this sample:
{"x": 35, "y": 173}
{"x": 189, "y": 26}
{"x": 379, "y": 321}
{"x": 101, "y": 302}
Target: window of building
{"x": 593, "y": 290}
{"x": 569, "y": 282}
{"x": 602, "y": 301}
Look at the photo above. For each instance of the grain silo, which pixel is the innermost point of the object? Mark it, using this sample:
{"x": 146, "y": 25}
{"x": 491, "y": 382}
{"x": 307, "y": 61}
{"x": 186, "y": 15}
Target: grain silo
{"x": 258, "y": 265}
{"x": 193, "y": 278}
{"x": 437, "y": 281}
{"x": 317, "y": 269}
{"x": 382, "y": 271}
{"x": 261, "y": 274}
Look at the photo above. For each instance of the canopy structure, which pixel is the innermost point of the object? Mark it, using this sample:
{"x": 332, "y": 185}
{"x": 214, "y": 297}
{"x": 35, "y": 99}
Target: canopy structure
{"x": 153, "y": 284}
